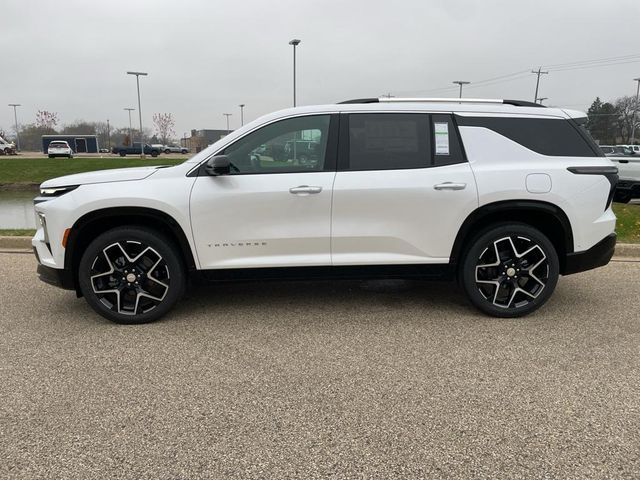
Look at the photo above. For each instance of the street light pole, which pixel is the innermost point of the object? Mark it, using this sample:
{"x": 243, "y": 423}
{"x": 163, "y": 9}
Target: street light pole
{"x": 108, "y": 135}
{"x": 295, "y": 42}
{"x": 138, "y": 74}
{"x": 15, "y": 118}
{"x": 635, "y": 111}
{"x": 461, "y": 83}
{"x": 130, "y": 129}
{"x": 227, "y": 115}
{"x": 241, "y": 114}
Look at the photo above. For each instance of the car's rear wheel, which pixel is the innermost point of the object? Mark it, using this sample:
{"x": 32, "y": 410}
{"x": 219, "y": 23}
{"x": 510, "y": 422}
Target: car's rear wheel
{"x": 154, "y": 154}
{"x": 131, "y": 275}
{"x": 510, "y": 270}
{"x": 123, "y": 154}
{"x": 184, "y": 151}
{"x": 167, "y": 151}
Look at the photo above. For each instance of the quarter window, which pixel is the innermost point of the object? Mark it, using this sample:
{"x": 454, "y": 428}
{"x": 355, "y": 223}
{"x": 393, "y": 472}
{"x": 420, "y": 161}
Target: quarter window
{"x": 288, "y": 146}
{"x": 546, "y": 136}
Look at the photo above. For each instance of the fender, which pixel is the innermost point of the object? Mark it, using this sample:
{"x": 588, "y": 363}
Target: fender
{"x": 547, "y": 217}
{"x": 101, "y": 220}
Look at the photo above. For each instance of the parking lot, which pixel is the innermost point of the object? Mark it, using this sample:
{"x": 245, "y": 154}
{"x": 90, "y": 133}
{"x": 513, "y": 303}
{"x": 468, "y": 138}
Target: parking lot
{"x": 322, "y": 380}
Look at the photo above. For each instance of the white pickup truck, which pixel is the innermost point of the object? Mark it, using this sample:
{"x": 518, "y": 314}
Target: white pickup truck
{"x": 629, "y": 172}
{"x": 7, "y": 148}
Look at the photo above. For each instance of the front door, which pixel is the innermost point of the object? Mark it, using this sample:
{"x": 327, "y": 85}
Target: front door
{"x": 402, "y": 191}
{"x": 274, "y": 208}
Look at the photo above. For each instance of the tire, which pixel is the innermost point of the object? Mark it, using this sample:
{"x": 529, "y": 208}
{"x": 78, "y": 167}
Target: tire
{"x": 167, "y": 151}
{"x": 184, "y": 152}
{"x": 122, "y": 154}
{"x": 69, "y": 156}
{"x": 154, "y": 153}
{"x": 141, "y": 265}
{"x": 491, "y": 281}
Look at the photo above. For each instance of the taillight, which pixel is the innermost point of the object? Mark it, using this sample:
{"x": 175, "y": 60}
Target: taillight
{"x": 610, "y": 173}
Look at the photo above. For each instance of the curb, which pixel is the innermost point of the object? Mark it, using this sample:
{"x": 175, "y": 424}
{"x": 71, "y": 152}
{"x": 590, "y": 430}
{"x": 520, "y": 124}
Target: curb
{"x": 623, "y": 250}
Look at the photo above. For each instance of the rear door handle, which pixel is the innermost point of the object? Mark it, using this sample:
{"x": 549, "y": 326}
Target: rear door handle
{"x": 305, "y": 190}
{"x": 450, "y": 186}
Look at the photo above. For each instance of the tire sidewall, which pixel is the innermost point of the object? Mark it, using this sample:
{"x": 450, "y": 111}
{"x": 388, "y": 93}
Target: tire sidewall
{"x": 147, "y": 237}
{"x": 486, "y": 238}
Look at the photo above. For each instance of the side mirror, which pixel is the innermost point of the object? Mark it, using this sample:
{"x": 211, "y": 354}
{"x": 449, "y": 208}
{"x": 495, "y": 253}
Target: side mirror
{"x": 219, "y": 165}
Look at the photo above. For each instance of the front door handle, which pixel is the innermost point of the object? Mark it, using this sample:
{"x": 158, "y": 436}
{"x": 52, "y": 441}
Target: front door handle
{"x": 305, "y": 190}
{"x": 450, "y": 186}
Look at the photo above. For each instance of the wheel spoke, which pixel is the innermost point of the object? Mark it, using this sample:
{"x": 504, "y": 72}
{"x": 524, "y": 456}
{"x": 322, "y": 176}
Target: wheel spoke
{"x": 129, "y": 278}
{"x": 511, "y": 271}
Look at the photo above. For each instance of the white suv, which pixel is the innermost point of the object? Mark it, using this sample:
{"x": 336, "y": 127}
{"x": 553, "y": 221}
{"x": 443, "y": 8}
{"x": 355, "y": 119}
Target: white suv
{"x": 503, "y": 196}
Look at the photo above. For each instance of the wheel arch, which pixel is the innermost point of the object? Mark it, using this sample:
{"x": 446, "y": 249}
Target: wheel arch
{"x": 92, "y": 224}
{"x": 546, "y": 217}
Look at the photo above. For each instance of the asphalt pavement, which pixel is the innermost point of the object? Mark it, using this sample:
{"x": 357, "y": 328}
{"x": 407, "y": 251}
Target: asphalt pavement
{"x": 322, "y": 380}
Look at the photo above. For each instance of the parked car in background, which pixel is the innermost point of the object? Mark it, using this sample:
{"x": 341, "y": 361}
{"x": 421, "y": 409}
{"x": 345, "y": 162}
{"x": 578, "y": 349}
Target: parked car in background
{"x": 59, "y": 148}
{"x": 7, "y": 148}
{"x": 616, "y": 150}
{"x": 628, "y": 187}
{"x": 481, "y": 191}
{"x": 124, "y": 150}
{"x": 175, "y": 149}
{"x": 634, "y": 148}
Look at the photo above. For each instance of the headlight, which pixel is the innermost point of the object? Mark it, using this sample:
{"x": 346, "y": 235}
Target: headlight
{"x": 56, "y": 191}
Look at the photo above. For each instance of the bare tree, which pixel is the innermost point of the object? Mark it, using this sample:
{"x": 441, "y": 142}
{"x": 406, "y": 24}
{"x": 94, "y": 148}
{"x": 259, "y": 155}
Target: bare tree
{"x": 46, "y": 121}
{"x": 164, "y": 126}
{"x": 625, "y": 108}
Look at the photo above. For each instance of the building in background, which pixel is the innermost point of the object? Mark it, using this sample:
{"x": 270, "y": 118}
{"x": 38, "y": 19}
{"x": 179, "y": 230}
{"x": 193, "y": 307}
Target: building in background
{"x": 78, "y": 143}
{"x": 201, "y": 139}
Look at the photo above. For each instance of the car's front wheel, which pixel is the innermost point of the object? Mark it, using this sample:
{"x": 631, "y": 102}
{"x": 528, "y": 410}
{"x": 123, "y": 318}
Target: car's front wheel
{"x": 131, "y": 275}
{"x": 510, "y": 270}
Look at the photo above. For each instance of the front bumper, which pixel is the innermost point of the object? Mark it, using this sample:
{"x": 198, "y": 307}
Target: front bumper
{"x": 597, "y": 256}
{"x": 54, "y": 276}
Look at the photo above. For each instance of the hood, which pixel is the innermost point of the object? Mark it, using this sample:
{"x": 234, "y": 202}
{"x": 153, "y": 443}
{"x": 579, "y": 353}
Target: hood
{"x": 102, "y": 176}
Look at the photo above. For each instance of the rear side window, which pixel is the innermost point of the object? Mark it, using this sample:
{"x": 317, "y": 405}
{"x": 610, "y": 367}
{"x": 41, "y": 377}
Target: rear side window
{"x": 389, "y": 141}
{"x": 447, "y": 149}
{"x": 546, "y": 136}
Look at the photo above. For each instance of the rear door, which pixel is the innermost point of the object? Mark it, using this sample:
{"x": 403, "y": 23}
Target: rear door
{"x": 402, "y": 190}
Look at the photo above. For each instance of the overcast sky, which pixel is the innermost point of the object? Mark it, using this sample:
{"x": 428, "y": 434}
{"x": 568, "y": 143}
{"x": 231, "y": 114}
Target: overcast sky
{"x": 206, "y": 57}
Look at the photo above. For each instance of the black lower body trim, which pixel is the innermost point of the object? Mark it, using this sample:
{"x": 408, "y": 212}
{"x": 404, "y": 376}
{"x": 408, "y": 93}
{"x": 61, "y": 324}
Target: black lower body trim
{"x": 56, "y": 277}
{"x": 421, "y": 271}
{"x": 595, "y": 257}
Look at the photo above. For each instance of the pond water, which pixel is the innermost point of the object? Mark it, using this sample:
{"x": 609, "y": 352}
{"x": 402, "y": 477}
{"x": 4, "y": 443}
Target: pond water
{"x": 16, "y": 209}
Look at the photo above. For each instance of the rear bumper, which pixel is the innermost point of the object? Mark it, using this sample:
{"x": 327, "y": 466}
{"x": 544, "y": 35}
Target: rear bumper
{"x": 53, "y": 276}
{"x": 597, "y": 256}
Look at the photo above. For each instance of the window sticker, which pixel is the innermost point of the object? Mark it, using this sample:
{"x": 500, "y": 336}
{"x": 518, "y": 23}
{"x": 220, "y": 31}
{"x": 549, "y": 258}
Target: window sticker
{"x": 441, "y": 131}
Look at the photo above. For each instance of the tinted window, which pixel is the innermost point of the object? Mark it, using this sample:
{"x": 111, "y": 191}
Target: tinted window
{"x": 554, "y": 137}
{"x": 446, "y": 143}
{"x": 293, "y": 145}
{"x": 388, "y": 141}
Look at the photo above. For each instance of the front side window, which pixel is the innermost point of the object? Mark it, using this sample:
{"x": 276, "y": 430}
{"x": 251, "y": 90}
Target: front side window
{"x": 388, "y": 141}
{"x": 288, "y": 146}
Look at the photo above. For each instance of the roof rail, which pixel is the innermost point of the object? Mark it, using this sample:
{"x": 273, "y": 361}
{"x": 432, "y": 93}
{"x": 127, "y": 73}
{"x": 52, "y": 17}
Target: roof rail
{"x": 495, "y": 101}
